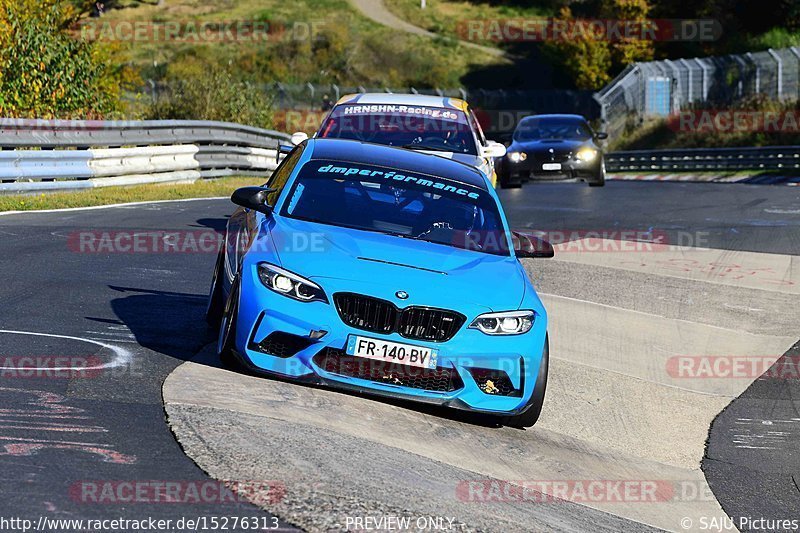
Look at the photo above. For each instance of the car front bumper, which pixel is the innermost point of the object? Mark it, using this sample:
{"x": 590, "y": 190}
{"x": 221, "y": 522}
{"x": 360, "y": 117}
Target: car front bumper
{"x": 465, "y": 364}
{"x": 532, "y": 168}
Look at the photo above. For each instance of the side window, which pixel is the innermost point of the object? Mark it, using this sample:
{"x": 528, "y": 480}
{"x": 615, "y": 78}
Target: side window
{"x": 282, "y": 173}
{"x": 477, "y": 127}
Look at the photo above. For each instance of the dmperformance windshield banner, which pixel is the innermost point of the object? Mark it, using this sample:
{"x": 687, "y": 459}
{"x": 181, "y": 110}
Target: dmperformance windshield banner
{"x": 434, "y": 184}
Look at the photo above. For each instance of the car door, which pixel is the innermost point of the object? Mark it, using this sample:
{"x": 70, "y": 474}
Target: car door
{"x": 244, "y": 224}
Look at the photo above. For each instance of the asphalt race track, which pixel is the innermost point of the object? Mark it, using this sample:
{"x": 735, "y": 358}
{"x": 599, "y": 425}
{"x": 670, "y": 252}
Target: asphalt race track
{"x": 717, "y": 279}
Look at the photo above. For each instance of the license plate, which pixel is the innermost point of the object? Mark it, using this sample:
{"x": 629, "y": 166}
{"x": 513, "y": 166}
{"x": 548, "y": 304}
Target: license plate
{"x": 551, "y": 166}
{"x": 391, "y": 352}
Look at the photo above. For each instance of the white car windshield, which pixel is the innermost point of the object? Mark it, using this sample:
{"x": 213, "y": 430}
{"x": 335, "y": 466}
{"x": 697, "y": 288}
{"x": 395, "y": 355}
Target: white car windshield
{"x": 417, "y": 127}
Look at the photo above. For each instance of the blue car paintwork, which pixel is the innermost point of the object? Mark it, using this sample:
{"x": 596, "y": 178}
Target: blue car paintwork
{"x": 379, "y": 265}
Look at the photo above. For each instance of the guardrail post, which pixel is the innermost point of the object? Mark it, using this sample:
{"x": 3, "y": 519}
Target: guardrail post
{"x": 742, "y": 68}
{"x": 689, "y": 81}
{"x": 796, "y": 51}
{"x": 758, "y": 71}
{"x": 779, "y": 61}
{"x": 705, "y": 78}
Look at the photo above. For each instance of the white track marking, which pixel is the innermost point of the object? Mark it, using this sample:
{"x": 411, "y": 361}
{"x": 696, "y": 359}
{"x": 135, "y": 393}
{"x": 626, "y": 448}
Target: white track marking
{"x": 644, "y": 345}
{"x": 752, "y": 270}
{"x": 122, "y": 356}
{"x": 109, "y": 206}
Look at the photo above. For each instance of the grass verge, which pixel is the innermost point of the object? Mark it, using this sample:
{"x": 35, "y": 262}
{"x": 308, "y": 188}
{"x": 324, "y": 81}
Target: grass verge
{"x": 316, "y": 41}
{"x": 451, "y": 17}
{"x": 118, "y": 195}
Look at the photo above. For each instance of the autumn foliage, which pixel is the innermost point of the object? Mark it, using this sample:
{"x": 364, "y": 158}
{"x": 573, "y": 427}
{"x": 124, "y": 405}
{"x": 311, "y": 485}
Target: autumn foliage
{"x": 46, "y": 71}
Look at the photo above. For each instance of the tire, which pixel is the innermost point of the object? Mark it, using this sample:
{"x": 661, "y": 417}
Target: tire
{"x": 600, "y": 179}
{"x": 215, "y": 304}
{"x": 509, "y": 184}
{"x": 506, "y": 180}
{"x": 226, "y": 342}
{"x": 533, "y": 408}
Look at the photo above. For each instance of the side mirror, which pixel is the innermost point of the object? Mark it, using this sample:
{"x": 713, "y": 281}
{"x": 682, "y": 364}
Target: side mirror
{"x": 298, "y": 137}
{"x": 601, "y": 135}
{"x": 529, "y": 246}
{"x": 282, "y": 150}
{"x": 494, "y": 149}
{"x": 254, "y": 198}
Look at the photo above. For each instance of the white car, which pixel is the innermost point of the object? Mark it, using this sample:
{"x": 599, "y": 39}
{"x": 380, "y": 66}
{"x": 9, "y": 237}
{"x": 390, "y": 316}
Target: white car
{"x": 438, "y": 125}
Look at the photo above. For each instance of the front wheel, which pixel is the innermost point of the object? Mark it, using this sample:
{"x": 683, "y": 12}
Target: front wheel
{"x": 533, "y": 408}
{"x": 226, "y": 343}
{"x": 215, "y": 306}
{"x": 600, "y": 178}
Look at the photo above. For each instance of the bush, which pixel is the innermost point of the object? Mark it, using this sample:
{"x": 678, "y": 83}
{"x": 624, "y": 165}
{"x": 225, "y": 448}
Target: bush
{"x": 45, "y": 72}
{"x": 210, "y": 93}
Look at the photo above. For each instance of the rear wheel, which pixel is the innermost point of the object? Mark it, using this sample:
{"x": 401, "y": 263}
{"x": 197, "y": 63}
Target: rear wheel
{"x": 226, "y": 343}
{"x": 533, "y": 408}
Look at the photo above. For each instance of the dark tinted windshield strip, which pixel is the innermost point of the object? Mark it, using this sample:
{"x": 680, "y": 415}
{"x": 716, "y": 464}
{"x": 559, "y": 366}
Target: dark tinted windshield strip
{"x": 480, "y": 186}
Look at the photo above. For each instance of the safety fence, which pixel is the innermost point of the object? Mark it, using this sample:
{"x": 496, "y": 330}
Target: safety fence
{"x": 662, "y": 88}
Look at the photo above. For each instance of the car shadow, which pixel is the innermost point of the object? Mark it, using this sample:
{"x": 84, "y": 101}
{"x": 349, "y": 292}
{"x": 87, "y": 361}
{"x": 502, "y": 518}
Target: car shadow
{"x": 171, "y": 323}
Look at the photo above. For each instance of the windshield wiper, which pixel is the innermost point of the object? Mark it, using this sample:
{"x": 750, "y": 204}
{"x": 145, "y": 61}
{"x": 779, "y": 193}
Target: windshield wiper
{"x": 426, "y": 147}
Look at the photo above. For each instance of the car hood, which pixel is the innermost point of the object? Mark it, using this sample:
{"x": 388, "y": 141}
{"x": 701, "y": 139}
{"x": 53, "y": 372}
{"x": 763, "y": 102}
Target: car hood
{"x": 342, "y": 259}
{"x": 546, "y": 144}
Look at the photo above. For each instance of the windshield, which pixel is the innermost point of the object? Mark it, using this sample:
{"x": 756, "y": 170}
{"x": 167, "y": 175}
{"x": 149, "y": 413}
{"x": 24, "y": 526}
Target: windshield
{"x": 396, "y": 202}
{"x": 420, "y": 127}
{"x": 534, "y": 129}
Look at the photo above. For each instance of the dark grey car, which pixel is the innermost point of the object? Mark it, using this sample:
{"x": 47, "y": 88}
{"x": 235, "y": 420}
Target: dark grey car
{"x": 553, "y": 147}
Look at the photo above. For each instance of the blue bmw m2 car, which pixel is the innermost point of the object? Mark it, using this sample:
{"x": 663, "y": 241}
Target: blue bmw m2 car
{"x": 387, "y": 271}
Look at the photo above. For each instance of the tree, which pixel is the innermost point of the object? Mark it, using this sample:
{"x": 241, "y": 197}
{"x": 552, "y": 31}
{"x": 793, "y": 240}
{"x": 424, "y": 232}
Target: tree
{"x": 592, "y": 57}
{"x": 46, "y": 71}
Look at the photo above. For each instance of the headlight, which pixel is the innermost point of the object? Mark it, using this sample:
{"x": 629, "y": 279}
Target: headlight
{"x": 516, "y": 157}
{"x": 289, "y": 284}
{"x": 507, "y": 323}
{"x": 586, "y": 154}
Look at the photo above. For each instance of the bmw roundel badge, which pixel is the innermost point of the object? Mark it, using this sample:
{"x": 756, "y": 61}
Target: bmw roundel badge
{"x": 403, "y": 295}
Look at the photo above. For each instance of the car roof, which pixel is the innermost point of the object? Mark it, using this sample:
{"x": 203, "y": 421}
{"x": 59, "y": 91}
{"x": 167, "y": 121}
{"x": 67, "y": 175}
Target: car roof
{"x": 410, "y": 160}
{"x": 565, "y": 116}
{"x": 405, "y": 99}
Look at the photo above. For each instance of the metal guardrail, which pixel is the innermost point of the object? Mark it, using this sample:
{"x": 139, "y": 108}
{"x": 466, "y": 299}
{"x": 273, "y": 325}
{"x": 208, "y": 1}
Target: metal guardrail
{"x": 765, "y": 158}
{"x": 40, "y": 155}
{"x": 44, "y": 155}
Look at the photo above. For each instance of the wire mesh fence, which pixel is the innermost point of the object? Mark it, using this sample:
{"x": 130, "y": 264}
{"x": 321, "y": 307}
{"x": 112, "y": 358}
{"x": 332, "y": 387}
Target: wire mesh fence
{"x": 661, "y": 88}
